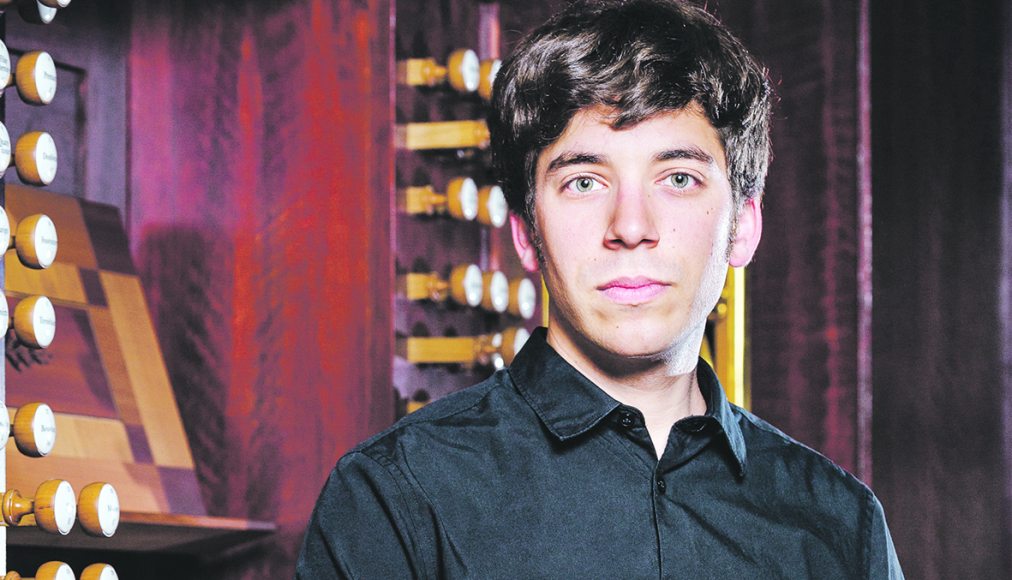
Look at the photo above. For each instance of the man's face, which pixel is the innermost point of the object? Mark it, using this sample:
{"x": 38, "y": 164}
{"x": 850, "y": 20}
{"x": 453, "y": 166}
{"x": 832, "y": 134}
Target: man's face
{"x": 635, "y": 228}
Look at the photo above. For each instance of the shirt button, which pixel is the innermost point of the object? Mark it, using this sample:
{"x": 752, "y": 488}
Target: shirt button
{"x": 661, "y": 486}
{"x": 626, "y": 420}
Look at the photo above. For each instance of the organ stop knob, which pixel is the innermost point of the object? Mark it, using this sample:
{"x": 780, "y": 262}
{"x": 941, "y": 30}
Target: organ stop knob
{"x": 99, "y": 572}
{"x": 54, "y": 507}
{"x": 34, "y": 238}
{"x": 34, "y": 156}
{"x": 47, "y": 571}
{"x": 35, "y": 321}
{"x": 34, "y": 75}
{"x": 98, "y": 509}
{"x": 33, "y": 429}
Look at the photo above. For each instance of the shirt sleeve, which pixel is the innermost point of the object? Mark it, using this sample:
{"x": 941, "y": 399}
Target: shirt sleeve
{"x": 881, "y": 554}
{"x": 361, "y": 526}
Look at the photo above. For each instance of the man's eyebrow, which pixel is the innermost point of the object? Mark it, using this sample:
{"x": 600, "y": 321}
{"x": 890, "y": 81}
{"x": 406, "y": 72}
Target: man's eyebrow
{"x": 693, "y": 153}
{"x": 572, "y": 158}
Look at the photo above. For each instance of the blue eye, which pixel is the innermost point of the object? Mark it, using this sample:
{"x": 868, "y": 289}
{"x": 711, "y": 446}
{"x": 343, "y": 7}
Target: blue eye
{"x": 681, "y": 180}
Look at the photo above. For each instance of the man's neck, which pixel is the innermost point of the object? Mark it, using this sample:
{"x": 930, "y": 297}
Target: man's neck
{"x": 664, "y": 390}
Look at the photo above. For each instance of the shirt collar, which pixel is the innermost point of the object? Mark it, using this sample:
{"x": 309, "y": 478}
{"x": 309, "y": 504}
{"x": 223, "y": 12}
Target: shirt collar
{"x": 569, "y": 404}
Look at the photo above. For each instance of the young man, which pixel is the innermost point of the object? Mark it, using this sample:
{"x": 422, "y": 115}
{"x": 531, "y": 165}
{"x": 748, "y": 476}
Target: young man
{"x": 632, "y": 142}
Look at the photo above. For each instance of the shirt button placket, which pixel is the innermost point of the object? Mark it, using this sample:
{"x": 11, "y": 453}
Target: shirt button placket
{"x": 661, "y": 486}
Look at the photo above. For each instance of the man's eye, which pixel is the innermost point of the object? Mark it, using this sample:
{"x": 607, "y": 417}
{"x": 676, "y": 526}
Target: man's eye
{"x": 583, "y": 184}
{"x": 681, "y": 180}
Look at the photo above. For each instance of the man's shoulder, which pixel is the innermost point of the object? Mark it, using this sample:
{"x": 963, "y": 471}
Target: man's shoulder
{"x": 443, "y": 419}
{"x": 789, "y": 462}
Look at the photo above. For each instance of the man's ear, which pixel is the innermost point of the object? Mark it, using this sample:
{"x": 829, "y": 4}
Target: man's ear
{"x": 750, "y": 229}
{"x": 523, "y": 241}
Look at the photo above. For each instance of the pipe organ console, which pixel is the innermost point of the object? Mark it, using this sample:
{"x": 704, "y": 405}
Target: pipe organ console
{"x": 468, "y": 261}
{"x": 33, "y": 425}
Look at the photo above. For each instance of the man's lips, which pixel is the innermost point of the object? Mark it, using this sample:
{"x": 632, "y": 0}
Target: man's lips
{"x": 632, "y": 290}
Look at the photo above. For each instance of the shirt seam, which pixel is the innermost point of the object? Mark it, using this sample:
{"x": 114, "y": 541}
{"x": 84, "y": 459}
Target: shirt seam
{"x": 371, "y": 444}
{"x": 387, "y": 465}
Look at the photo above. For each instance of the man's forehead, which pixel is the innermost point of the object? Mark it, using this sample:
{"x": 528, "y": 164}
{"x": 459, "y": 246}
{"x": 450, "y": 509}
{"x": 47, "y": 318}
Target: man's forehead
{"x": 599, "y": 117}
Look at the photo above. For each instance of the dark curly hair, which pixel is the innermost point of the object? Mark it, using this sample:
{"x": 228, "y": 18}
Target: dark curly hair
{"x": 638, "y": 58}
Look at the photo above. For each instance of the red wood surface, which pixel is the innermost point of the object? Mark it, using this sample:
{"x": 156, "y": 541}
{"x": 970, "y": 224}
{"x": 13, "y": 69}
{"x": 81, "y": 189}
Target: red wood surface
{"x": 260, "y": 184}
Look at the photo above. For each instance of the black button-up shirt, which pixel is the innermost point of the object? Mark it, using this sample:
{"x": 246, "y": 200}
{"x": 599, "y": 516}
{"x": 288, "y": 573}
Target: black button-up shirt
{"x": 537, "y": 473}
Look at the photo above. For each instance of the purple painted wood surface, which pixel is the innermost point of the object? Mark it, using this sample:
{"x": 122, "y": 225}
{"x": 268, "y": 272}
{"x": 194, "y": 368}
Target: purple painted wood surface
{"x": 261, "y": 190}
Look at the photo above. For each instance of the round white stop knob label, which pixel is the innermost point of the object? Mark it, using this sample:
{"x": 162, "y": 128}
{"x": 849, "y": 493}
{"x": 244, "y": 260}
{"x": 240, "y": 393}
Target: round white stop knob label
{"x": 45, "y": 240}
{"x": 44, "y": 321}
{"x": 44, "y": 429}
{"x": 45, "y": 74}
{"x": 46, "y": 158}
{"x": 5, "y": 323}
{"x": 467, "y": 197}
{"x": 5, "y": 148}
{"x": 520, "y": 339}
{"x": 473, "y": 285}
{"x": 526, "y": 298}
{"x": 497, "y": 291}
{"x": 108, "y": 510}
{"x": 64, "y": 507}
{"x": 5, "y": 426}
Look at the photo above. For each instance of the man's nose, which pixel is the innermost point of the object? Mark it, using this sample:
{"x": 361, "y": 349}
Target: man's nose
{"x": 632, "y": 220}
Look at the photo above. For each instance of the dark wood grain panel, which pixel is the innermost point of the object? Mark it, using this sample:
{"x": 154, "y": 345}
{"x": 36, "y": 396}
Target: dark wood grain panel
{"x": 804, "y": 294}
{"x": 940, "y": 468}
